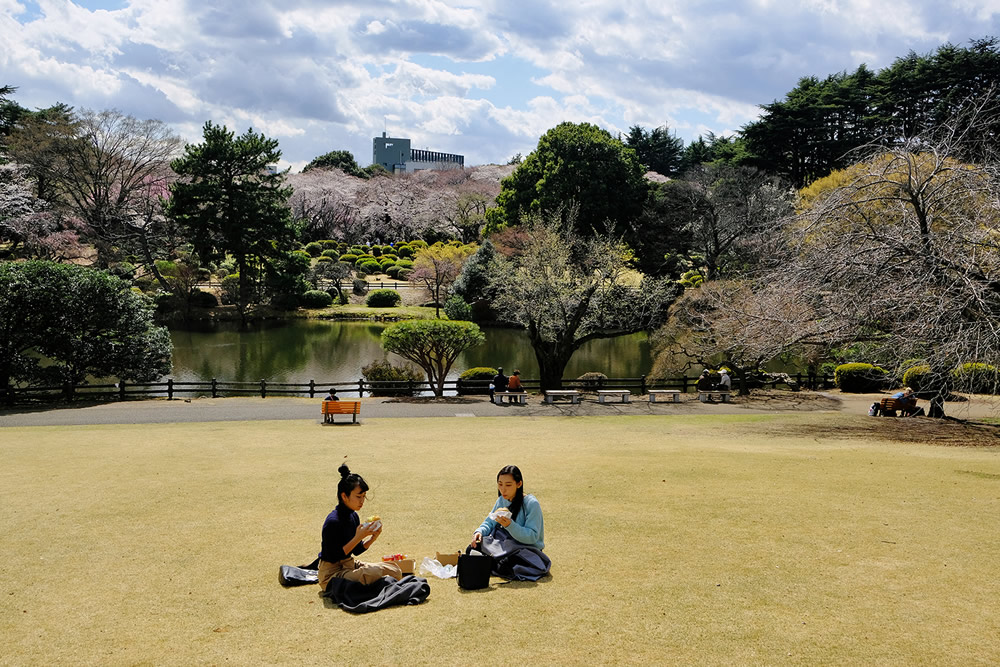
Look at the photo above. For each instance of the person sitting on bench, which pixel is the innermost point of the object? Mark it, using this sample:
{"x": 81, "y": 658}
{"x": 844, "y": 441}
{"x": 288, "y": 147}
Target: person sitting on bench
{"x": 906, "y": 403}
{"x": 332, "y": 396}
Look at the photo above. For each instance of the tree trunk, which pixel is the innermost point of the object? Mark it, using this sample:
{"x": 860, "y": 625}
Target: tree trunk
{"x": 552, "y": 361}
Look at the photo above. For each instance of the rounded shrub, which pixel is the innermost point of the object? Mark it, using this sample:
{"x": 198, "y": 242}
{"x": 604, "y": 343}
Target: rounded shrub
{"x": 370, "y": 267}
{"x": 230, "y": 289}
{"x": 349, "y": 258}
{"x": 917, "y": 377}
{"x": 404, "y": 251}
{"x": 478, "y": 380}
{"x": 203, "y": 299}
{"x": 457, "y": 309}
{"x": 314, "y": 249}
{"x": 315, "y": 298}
{"x": 592, "y": 380}
{"x": 859, "y": 378}
{"x": 376, "y": 251}
{"x": 393, "y": 271}
{"x": 329, "y": 244}
{"x": 383, "y": 298}
{"x": 977, "y": 378}
{"x": 359, "y": 286}
{"x": 387, "y": 380}
{"x": 330, "y": 254}
{"x": 418, "y": 244}
{"x": 321, "y": 259}
{"x": 404, "y": 273}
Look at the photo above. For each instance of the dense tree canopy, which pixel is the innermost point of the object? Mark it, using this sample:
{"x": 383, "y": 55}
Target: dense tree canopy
{"x": 81, "y": 322}
{"x": 228, "y": 201}
{"x": 343, "y": 160}
{"x": 657, "y": 149}
{"x": 579, "y": 172}
{"x": 820, "y": 122}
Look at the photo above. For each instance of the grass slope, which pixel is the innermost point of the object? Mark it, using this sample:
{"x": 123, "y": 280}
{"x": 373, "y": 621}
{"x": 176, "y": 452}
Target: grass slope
{"x": 723, "y": 539}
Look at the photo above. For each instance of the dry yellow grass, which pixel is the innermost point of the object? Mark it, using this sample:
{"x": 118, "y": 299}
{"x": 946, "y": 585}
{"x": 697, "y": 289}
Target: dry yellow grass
{"x": 674, "y": 540}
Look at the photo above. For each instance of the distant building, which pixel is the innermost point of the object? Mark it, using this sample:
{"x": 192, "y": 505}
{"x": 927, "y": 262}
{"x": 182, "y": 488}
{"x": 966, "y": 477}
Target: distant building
{"x": 397, "y": 157}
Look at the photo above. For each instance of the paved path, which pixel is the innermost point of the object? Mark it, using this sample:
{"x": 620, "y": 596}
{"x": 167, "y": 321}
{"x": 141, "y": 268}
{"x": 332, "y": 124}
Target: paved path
{"x": 157, "y": 411}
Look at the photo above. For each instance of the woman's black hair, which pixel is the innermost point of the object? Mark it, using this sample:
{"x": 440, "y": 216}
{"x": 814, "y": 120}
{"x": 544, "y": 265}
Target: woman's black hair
{"x": 515, "y": 505}
{"x": 348, "y": 482}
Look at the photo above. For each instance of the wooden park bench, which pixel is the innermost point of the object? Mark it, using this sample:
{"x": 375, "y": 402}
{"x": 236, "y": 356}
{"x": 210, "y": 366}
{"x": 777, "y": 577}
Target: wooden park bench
{"x": 624, "y": 394}
{"x": 670, "y": 395}
{"x": 887, "y": 407}
{"x": 710, "y": 396}
{"x": 519, "y": 397}
{"x": 331, "y": 408}
{"x": 572, "y": 394}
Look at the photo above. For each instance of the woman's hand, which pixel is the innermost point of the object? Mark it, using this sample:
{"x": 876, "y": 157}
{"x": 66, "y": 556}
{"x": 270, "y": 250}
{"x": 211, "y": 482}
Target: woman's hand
{"x": 476, "y": 539}
{"x": 503, "y": 520}
{"x": 375, "y": 534}
{"x": 364, "y": 530}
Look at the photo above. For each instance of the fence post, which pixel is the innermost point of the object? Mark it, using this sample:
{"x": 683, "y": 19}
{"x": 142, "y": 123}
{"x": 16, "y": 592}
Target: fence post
{"x": 215, "y": 388}
{"x": 121, "y": 390}
{"x": 170, "y": 389}
{"x": 361, "y": 388}
{"x": 9, "y": 394}
{"x": 642, "y": 385}
{"x": 263, "y": 388}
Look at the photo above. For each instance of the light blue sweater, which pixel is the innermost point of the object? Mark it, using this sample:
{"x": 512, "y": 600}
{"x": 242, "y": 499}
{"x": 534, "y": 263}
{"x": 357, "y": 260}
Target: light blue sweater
{"x": 527, "y": 528}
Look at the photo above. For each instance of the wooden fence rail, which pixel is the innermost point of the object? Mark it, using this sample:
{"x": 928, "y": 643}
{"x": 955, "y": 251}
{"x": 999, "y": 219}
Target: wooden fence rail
{"x": 171, "y": 388}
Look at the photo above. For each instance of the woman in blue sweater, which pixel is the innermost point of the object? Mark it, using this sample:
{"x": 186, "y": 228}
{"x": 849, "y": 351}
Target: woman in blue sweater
{"x": 524, "y": 521}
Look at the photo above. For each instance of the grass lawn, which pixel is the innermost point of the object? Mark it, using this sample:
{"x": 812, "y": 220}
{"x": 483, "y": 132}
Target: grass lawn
{"x": 674, "y": 540}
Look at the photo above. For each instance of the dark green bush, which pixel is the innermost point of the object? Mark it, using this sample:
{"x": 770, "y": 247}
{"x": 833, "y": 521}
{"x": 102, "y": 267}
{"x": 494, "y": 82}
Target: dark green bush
{"x": 376, "y": 251}
{"x": 404, "y": 251}
{"x": 315, "y": 298}
{"x": 592, "y": 380}
{"x": 359, "y": 286}
{"x": 393, "y": 271}
{"x": 383, "y": 298}
{"x": 321, "y": 258}
{"x": 314, "y": 249}
{"x": 349, "y": 258}
{"x": 202, "y": 299}
{"x": 457, "y": 309}
{"x": 230, "y": 289}
{"x": 382, "y": 371}
{"x": 329, "y": 244}
{"x": 370, "y": 267}
{"x": 404, "y": 273}
{"x": 330, "y": 253}
{"x": 859, "y": 378}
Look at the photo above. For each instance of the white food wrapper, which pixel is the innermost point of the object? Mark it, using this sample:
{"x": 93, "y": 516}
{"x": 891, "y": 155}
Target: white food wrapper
{"x": 374, "y": 525}
{"x": 502, "y": 512}
{"x": 433, "y": 567}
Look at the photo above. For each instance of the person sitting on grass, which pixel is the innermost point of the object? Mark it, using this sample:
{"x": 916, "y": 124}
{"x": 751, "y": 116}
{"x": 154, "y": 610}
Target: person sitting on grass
{"x": 344, "y": 537}
{"x": 513, "y": 532}
{"x": 906, "y": 403}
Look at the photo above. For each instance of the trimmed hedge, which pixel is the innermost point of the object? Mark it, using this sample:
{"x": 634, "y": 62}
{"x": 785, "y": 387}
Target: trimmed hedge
{"x": 859, "y": 378}
{"x": 916, "y": 377}
{"x": 457, "y": 309}
{"x": 315, "y": 298}
{"x": 480, "y": 374}
{"x": 383, "y": 298}
{"x": 977, "y": 378}
{"x": 314, "y": 249}
{"x": 383, "y": 371}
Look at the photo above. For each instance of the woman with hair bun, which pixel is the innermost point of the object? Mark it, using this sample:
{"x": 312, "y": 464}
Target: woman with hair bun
{"x": 344, "y": 536}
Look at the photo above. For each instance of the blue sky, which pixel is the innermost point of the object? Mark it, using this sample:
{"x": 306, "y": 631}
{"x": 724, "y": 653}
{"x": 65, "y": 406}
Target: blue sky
{"x": 484, "y": 78}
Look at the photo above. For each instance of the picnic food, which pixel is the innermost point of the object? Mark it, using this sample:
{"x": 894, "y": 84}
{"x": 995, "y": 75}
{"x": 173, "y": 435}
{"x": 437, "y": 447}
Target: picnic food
{"x": 373, "y": 518}
{"x": 394, "y": 557}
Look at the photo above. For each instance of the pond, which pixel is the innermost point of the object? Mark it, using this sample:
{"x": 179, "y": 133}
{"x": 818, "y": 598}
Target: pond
{"x": 335, "y": 351}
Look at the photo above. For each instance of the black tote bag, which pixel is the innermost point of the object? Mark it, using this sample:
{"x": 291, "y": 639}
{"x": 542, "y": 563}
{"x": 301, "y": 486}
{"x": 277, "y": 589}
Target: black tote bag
{"x": 474, "y": 570}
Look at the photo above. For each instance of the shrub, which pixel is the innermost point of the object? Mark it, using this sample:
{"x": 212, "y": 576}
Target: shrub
{"x": 383, "y": 298}
{"x": 315, "y": 298}
{"x": 859, "y": 378}
{"x": 165, "y": 302}
{"x": 359, "y": 287}
{"x": 231, "y": 289}
{"x": 977, "y": 378}
{"x": 592, "y": 380}
{"x": 349, "y": 258}
{"x": 329, "y": 244}
{"x": 389, "y": 255}
{"x": 380, "y": 371}
{"x": 457, "y": 309}
{"x": 202, "y": 299}
{"x": 376, "y": 250}
{"x": 321, "y": 258}
{"x": 314, "y": 249}
{"x": 404, "y": 273}
{"x": 418, "y": 244}
{"x": 481, "y": 376}
{"x": 370, "y": 267}
{"x": 404, "y": 251}
{"x": 393, "y": 271}
{"x": 386, "y": 263}
{"x": 301, "y": 253}
{"x": 917, "y": 377}
{"x": 331, "y": 254}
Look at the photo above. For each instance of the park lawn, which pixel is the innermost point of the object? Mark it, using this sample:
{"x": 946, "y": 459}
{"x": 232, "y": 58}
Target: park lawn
{"x": 685, "y": 540}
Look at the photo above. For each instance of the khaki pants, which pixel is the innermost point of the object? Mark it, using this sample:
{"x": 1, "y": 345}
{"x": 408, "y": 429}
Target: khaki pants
{"x": 355, "y": 570}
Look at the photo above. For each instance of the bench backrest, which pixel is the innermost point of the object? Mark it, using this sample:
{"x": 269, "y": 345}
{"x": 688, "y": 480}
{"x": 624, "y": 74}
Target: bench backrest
{"x": 888, "y": 403}
{"x": 341, "y": 407}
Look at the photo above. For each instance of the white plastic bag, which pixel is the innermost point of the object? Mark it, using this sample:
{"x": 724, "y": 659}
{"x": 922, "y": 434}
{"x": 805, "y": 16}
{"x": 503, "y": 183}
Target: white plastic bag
{"x": 431, "y": 566}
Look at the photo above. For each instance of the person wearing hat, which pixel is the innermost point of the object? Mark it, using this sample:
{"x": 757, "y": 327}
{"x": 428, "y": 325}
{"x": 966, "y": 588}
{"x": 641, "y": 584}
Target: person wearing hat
{"x": 725, "y": 383}
{"x": 704, "y": 382}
